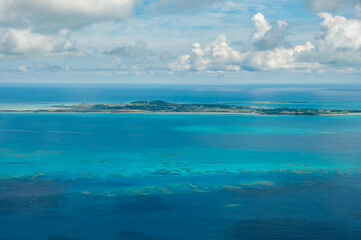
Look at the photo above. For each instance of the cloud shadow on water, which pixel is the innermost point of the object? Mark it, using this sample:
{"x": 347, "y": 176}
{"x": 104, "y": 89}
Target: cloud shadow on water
{"x": 143, "y": 204}
{"x": 21, "y": 195}
{"x": 289, "y": 229}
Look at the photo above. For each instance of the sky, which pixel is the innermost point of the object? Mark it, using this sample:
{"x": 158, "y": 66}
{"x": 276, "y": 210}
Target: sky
{"x": 180, "y": 41}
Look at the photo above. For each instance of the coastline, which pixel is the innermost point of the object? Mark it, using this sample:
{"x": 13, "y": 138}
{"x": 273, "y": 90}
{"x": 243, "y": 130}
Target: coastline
{"x": 41, "y": 111}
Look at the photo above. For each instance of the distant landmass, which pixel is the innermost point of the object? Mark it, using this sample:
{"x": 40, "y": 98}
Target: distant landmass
{"x": 160, "y": 106}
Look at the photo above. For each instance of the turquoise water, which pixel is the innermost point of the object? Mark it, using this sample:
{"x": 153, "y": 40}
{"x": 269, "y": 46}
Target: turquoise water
{"x": 159, "y": 176}
{"x": 179, "y": 176}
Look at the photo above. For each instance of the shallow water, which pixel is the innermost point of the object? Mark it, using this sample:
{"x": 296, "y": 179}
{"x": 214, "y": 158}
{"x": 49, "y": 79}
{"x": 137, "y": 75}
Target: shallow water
{"x": 179, "y": 176}
{"x": 151, "y": 176}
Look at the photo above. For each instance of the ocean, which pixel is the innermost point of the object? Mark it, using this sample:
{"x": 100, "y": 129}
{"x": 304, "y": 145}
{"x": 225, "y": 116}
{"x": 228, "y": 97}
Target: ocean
{"x": 180, "y": 176}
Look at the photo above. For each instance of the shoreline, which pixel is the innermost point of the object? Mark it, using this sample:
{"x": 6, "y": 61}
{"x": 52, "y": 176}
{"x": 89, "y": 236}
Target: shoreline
{"x": 40, "y": 111}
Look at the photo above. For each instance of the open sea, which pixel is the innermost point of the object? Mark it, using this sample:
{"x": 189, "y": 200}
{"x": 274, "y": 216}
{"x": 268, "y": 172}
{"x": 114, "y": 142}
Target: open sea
{"x": 68, "y": 176}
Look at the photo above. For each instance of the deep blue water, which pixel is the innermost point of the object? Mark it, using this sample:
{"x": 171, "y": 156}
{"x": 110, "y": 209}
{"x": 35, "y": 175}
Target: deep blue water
{"x": 50, "y": 93}
{"x": 180, "y": 176}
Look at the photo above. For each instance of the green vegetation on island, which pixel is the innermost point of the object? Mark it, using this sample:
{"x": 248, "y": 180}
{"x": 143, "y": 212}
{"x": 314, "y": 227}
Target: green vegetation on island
{"x": 160, "y": 106}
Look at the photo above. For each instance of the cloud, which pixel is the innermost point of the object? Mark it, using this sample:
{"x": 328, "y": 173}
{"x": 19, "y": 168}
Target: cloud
{"x": 23, "y": 68}
{"x": 267, "y": 37}
{"x": 55, "y": 15}
{"x": 177, "y": 6}
{"x": 165, "y": 56}
{"x": 327, "y": 5}
{"x": 182, "y": 64}
{"x": 339, "y": 42}
{"x": 267, "y": 55}
{"x": 337, "y": 46}
{"x": 358, "y": 10}
{"x": 279, "y": 58}
{"x": 24, "y": 43}
{"x": 217, "y": 56}
{"x": 43, "y": 67}
{"x": 340, "y": 33}
{"x": 261, "y": 25}
{"x": 138, "y": 50}
{"x": 50, "y": 67}
{"x": 114, "y": 63}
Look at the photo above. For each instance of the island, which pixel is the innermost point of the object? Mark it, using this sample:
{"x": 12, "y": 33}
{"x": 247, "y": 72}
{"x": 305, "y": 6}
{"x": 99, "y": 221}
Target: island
{"x": 159, "y": 106}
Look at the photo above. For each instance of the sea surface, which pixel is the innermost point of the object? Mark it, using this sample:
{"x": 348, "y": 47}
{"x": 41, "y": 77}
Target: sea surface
{"x": 180, "y": 176}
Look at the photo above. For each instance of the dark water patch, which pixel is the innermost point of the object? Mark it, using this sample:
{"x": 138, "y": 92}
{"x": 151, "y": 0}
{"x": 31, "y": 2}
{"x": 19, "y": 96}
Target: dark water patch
{"x": 289, "y": 229}
{"x": 59, "y": 238}
{"x": 105, "y": 206}
{"x": 13, "y": 163}
{"x": 143, "y": 204}
{"x": 132, "y": 235}
{"x": 23, "y": 204}
{"x": 24, "y": 194}
{"x": 29, "y": 187}
{"x": 102, "y": 182}
{"x": 356, "y": 215}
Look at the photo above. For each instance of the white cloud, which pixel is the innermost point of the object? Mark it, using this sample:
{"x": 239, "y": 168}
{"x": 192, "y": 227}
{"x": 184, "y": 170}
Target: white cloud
{"x": 42, "y": 27}
{"x": 262, "y": 26}
{"x": 20, "y": 43}
{"x": 23, "y": 68}
{"x": 56, "y": 14}
{"x": 337, "y": 46}
{"x": 219, "y": 56}
{"x": 339, "y": 42}
{"x": 279, "y": 58}
{"x": 267, "y": 37}
{"x": 182, "y": 64}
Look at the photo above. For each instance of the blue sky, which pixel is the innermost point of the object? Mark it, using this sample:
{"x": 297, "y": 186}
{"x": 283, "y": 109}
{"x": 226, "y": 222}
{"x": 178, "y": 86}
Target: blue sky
{"x": 180, "y": 41}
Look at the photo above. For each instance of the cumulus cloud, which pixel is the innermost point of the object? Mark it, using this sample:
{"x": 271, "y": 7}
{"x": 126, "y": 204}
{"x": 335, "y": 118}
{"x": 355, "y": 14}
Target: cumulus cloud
{"x": 216, "y": 56}
{"x": 138, "y": 50}
{"x": 267, "y": 55}
{"x": 42, "y": 27}
{"x": 219, "y": 56}
{"x": 267, "y": 37}
{"x": 279, "y": 58}
{"x": 337, "y": 46}
{"x": 20, "y": 43}
{"x": 55, "y": 15}
{"x": 339, "y": 42}
{"x": 261, "y": 25}
{"x": 183, "y": 63}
